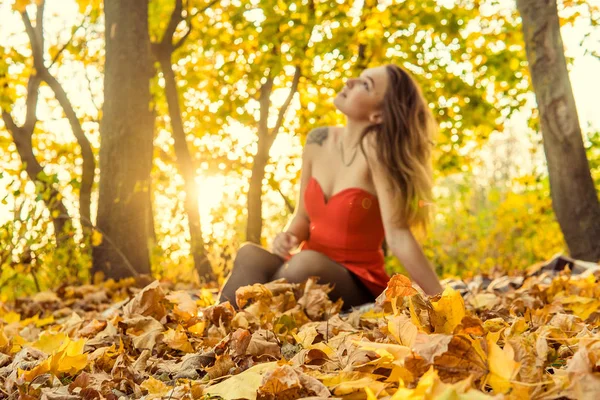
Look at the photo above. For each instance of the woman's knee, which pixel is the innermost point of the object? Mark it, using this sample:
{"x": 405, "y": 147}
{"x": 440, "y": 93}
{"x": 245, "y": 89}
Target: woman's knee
{"x": 303, "y": 265}
{"x": 247, "y": 249}
{"x": 253, "y": 258}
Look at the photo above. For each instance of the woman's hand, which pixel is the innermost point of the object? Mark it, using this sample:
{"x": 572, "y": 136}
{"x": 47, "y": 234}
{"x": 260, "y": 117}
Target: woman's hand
{"x": 283, "y": 243}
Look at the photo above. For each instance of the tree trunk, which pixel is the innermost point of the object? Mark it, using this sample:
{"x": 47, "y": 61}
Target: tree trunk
{"x": 22, "y": 137}
{"x": 254, "y": 227}
{"x": 163, "y": 52}
{"x": 186, "y": 169}
{"x": 266, "y": 138}
{"x": 88, "y": 167}
{"x": 36, "y": 37}
{"x": 574, "y": 197}
{"x": 126, "y": 143}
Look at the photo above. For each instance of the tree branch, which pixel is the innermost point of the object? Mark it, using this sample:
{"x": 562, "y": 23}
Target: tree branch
{"x": 176, "y": 18}
{"x": 11, "y": 126}
{"x": 36, "y": 49}
{"x": 55, "y": 58}
{"x": 39, "y": 23}
{"x": 265, "y": 102}
{"x": 31, "y": 103}
{"x": 184, "y": 37}
{"x": 288, "y": 100}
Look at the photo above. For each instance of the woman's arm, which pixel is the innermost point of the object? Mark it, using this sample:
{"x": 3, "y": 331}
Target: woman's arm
{"x": 399, "y": 238}
{"x": 405, "y": 247}
{"x": 299, "y": 224}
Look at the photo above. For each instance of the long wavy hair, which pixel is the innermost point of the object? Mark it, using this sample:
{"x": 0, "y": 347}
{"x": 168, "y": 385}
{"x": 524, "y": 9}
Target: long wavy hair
{"x": 404, "y": 143}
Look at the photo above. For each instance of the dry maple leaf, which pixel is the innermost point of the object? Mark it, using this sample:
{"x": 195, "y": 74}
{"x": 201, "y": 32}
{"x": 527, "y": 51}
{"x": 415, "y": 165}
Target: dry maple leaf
{"x": 399, "y": 286}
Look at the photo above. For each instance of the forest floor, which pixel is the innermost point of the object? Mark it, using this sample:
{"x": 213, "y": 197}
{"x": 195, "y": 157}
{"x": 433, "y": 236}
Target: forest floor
{"x": 528, "y": 336}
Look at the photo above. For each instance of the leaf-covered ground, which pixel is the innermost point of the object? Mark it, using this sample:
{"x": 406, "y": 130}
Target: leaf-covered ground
{"x": 530, "y": 336}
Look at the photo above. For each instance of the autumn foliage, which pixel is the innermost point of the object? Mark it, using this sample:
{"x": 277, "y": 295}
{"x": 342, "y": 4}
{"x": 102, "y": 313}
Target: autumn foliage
{"x": 530, "y": 336}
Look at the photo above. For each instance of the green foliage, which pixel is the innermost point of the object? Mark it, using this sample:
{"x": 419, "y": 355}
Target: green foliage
{"x": 479, "y": 229}
{"x": 592, "y": 149}
{"x": 30, "y": 259}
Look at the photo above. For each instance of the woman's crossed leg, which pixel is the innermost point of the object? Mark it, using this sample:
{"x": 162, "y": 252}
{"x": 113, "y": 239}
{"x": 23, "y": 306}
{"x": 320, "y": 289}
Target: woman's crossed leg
{"x": 254, "y": 264}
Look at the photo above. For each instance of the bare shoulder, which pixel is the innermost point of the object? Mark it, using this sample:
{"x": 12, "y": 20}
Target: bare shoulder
{"x": 318, "y": 136}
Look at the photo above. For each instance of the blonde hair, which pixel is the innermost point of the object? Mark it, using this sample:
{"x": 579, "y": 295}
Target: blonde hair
{"x": 404, "y": 144}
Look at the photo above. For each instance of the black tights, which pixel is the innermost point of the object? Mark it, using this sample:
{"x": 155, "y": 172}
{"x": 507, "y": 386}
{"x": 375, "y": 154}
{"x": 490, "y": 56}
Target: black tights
{"x": 254, "y": 264}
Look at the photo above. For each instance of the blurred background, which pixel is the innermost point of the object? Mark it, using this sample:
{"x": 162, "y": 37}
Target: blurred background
{"x": 200, "y": 125}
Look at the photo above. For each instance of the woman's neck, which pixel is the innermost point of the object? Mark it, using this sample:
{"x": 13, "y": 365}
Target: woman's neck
{"x": 351, "y": 133}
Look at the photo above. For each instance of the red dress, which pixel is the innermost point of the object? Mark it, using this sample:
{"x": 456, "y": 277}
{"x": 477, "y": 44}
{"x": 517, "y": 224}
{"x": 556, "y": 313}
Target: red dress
{"x": 348, "y": 229}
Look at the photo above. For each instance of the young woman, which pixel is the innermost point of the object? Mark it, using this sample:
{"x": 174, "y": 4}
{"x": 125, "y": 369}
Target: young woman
{"x": 351, "y": 200}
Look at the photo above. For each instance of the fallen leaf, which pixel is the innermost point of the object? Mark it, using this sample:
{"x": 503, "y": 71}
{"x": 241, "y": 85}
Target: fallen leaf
{"x": 147, "y": 302}
{"x": 243, "y": 385}
{"x": 448, "y": 311}
{"x": 178, "y": 340}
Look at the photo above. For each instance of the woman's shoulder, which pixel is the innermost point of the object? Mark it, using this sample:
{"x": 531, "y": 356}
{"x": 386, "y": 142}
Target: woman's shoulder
{"x": 322, "y": 135}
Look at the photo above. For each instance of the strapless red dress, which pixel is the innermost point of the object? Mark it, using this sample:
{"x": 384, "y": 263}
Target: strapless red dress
{"x": 348, "y": 229}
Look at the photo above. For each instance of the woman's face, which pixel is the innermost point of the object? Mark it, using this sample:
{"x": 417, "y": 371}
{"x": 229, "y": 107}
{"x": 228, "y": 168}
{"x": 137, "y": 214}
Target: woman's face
{"x": 361, "y": 97}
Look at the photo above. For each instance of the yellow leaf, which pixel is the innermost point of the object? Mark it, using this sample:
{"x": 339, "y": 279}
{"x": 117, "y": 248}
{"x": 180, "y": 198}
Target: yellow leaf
{"x": 430, "y": 387}
{"x": 39, "y": 369}
{"x": 501, "y": 364}
{"x": 583, "y": 307}
{"x": 73, "y": 359}
{"x": 206, "y": 298}
{"x": 392, "y": 353}
{"x": 306, "y": 336}
{"x": 244, "y": 385}
{"x": 3, "y": 339}
{"x": 155, "y": 387}
{"x": 11, "y": 317}
{"x": 17, "y": 343}
{"x": 348, "y": 382}
{"x": 96, "y": 238}
{"x": 448, "y": 311}
{"x": 372, "y": 314}
{"x": 50, "y": 342}
{"x": 177, "y": 339}
{"x": 197, "y": 329}
{"x": 67, "y": 355}
{"x": 20, "y": 5}
{"x": 370, "y": 394}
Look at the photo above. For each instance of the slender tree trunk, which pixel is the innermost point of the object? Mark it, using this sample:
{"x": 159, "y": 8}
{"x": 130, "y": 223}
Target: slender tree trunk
{"x": 126, "y": 143}
{"x": 163, "y": 52}
{"x": 186, "y": 168}
{"x": 574, "y": 197}
{"x": 22, "y": 136}
{"x": 266, "y": 138}
{"x": 36, "y": 38}
{"x": 88, "y": 163}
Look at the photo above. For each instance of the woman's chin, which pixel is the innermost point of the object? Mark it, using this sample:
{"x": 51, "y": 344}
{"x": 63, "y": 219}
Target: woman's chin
{"x": 336, "y": 103}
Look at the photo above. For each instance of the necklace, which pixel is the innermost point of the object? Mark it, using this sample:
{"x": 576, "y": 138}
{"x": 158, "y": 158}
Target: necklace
{"x": 353, "y": 156}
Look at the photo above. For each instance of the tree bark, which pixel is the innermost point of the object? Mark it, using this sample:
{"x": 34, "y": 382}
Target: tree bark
{"x": 574, "y": 197}
{"x": 163, "y": 52}
{"x": 126, "y": 136}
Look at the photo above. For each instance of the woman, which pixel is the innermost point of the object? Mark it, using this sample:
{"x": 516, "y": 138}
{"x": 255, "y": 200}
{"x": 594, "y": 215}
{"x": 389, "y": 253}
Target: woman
{"x": 349, "y": 201}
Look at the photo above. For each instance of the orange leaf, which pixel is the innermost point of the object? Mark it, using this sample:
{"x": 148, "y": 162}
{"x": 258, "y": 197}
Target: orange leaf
{"x": 399, "y": 286}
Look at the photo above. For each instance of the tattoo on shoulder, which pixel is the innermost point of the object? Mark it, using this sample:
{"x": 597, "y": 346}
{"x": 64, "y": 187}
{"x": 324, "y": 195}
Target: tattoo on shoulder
{"x": 318, "y": 135}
